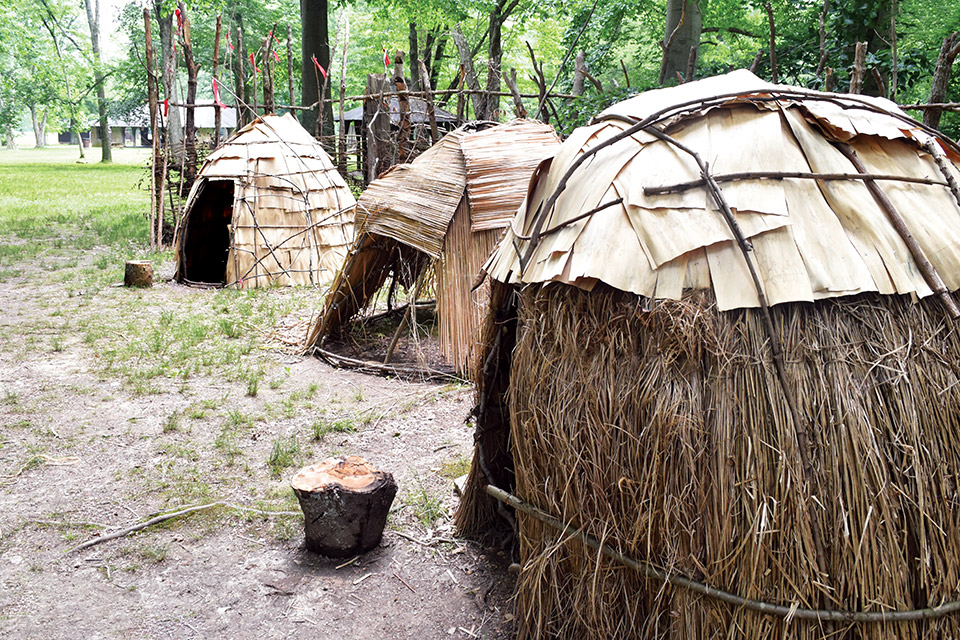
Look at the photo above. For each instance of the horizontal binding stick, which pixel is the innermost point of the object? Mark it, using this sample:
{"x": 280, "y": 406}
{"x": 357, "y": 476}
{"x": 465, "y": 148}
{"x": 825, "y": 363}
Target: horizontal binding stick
{"x": 651, "y": 571}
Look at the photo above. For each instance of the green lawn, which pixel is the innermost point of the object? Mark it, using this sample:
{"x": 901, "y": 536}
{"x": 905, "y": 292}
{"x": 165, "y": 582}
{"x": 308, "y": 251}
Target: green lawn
{"x": 48, "y": 201}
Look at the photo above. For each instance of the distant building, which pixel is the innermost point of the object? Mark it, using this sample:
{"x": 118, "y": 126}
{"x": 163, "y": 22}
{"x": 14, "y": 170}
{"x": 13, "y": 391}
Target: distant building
{"x": 133, "y": 130}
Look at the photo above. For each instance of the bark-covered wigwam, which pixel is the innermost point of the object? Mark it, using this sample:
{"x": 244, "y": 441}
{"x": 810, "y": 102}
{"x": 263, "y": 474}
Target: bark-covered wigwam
{"x": 716, "y": 349}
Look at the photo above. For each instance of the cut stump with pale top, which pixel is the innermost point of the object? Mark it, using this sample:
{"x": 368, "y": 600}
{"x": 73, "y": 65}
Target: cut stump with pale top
{"x": 345, "y": 503}
{"x": 138, "y": 273}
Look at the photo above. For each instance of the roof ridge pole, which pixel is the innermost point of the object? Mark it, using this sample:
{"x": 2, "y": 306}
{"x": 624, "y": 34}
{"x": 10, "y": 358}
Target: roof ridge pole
{"x": 800, "y": 425}
{"x": 927, "y": 270}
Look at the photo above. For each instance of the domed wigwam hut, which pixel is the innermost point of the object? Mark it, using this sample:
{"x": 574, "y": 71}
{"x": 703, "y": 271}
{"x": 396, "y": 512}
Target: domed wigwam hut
{"x": 431, "y": 224}
{"x": 268, "y": 208}
{"x": 720, "y": 395}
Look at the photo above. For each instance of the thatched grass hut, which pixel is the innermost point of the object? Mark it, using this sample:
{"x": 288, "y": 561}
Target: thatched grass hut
{"x": 738, "y": 376}
{"x": 440, "y": 217}
{"x": 268, "y": 208}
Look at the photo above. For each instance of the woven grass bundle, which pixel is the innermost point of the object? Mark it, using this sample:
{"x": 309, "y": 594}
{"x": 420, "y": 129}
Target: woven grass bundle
{"x": 657, "y": 428}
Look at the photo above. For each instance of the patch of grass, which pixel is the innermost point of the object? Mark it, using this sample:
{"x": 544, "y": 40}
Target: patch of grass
{"x": 321, "y": 427}
{"x": 226, "y": 443}
{"x": 427, "y": 508}
{"x": 154, "y": 553}
{"x": 253, "y": 382}
{"x": 455, "y": 467}
{"x": 237, "y": 418}
{"x": 11, "y": 398}
{"x": 171, "y": 423}
{"x": 178, "y": 451}
{"x": 285, "y": 453}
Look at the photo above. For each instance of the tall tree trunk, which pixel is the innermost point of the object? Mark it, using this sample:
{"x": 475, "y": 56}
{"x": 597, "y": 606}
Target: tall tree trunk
{"x": 49, "y": 23}
{"x": 414, "y": 59}
{"x": 941, "y": 78}
{"x": 174, "y": 124}
{"x": 93, "y": 20}
{"x": 315, "y": 41}
{"x": 496, "y": 56}
{"x": 681, "y": 37}
{"x": 190, "y": 130}
{"x": 466, "y": 62}
{"x": 239, "y": 80}
{"x": 11, "y": 137}
{"x": 39, "y": 126}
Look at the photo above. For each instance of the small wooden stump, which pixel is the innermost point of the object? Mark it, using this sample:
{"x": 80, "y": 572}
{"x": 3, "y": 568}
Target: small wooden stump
{"x": 138, "y": 273}
{"x": 345, "y": 503}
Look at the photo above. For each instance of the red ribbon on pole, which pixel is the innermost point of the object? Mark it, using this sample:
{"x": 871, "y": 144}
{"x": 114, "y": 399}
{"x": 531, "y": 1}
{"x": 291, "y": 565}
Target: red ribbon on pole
{"x": 323, "y": 71}
{"x": 166, "y": 107}
{"x": 386, "y": 58}
{"x": 252, "y": 62}
{"x": 230, "y": 44}
{"x": 179, "y": 18}
{"x": 216, "y": 95}
{"x": 276, "y": 56}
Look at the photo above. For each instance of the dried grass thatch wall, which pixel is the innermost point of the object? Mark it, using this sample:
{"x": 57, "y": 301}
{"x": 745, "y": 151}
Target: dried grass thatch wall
{"x": 658, "y": 428}
{"x": 268, "y": 208}
{"x": 718, "y": 351}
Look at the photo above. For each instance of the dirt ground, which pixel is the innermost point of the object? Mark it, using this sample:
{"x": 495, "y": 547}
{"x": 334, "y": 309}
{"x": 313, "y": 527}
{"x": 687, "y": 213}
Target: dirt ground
{"x": 95, "y": 436}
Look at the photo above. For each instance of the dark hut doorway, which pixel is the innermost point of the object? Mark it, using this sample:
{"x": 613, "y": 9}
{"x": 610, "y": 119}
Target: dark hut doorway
{"x": 206, "y": 238}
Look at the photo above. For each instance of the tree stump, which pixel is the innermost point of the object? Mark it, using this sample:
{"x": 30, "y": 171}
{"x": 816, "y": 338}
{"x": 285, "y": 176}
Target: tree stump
{"x": 345, "y": 503}
{"x": 138, "y": 273}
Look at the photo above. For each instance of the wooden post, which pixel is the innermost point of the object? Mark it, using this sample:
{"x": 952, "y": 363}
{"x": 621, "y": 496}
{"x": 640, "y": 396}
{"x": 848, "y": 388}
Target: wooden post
{"x": 468, "y": 75}
{"x": 403, "y": 132}
{"x": 342, "y": 155}
{"x": 518, "y": 107}
{"x": 154, "y": 145}
{"x": 345, "y": 502}
{"x": 268, "y": 102}
{"x": 290, "y": 66}
{"x": 461, "y": 101}
{"x": 859, "y": 68}
{"x": 216, "y": 64}
{"x": 428, "y": 97}
{"x": 190, "y": 128}
{"x": 376, "y": 124}
{"x": 253, "y": 78}
{"x": 239, "y": 81}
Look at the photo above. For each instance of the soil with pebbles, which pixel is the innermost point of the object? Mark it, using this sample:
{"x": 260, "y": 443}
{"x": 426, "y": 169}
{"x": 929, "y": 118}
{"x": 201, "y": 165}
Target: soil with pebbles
{"x": 81, "y": 455}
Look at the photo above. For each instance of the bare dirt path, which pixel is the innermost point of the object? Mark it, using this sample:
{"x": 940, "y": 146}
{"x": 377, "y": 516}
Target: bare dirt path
{"x": 118, "y": 404}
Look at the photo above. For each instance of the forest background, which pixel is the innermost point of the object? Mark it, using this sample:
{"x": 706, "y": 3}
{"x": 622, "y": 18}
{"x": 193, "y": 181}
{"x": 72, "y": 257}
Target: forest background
{"x": 65, "y": 64}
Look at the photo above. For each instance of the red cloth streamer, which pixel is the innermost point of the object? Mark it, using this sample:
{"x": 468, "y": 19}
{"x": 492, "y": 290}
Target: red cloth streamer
{"x": 230, "y": 44}
{"x": 276, "y": 56}
{"x": 323, "y": 71}
{"x": 216, "y": 95}
{"x": 255, "y": 67}
{"x": 166, "y": 107}
{"x": 386, "y": 58}
{"x": 179, "y": 18}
